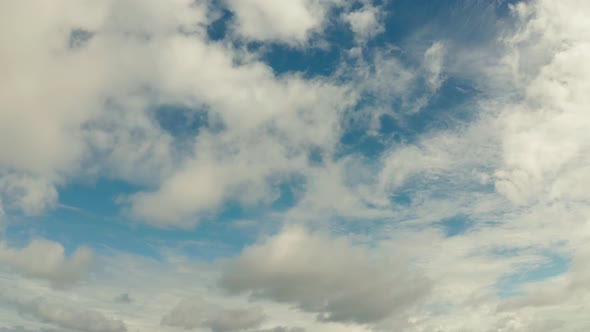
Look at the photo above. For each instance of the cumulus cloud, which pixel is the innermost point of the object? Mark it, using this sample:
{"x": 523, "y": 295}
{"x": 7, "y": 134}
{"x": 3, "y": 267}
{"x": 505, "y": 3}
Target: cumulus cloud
{"x": 365, "y": 22}
{"x": 550, "y": 118}
{"x": 69, "y": 317}
{"x": 47, "y": 260}
{"x": 199, "y": 313}
{"x": 327, "y": 276}
{"x": 203, "y": 183}
{"x": 31, "y": 195}
{"x": 54, "y": 92}
{"x": 291, "y": 22}
{"x": 134, "y": 57}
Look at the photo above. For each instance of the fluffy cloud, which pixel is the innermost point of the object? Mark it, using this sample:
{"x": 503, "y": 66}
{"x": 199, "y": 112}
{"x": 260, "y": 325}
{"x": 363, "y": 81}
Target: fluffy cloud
{"x": 365, "y": 22}
{"x": 130, "y": 58}
{"x": 262, "y": 141}
{"x": 55, "y": 93}
{"x": 69, "y": 317}
{"x": 168, "y": 295}
{"x": 328, "y": 276}
{"x": 261, "y": 127}
{"x": 47, "y": 260}
{"x": 31, "y": 195}
{"x": 291, "y": 22}
{"x": 550, "y": 119}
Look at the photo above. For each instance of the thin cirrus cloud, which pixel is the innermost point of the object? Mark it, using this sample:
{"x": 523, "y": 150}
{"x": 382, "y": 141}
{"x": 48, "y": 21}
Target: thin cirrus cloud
{"x": 431, "y": 175}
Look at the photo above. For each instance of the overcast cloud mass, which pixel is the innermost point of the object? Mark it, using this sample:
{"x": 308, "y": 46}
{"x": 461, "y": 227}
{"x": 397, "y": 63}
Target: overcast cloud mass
{"x": 294, "y": 165}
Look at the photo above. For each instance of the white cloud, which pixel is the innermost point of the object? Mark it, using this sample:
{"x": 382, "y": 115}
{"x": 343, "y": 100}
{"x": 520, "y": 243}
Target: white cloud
{"x": 537, "y": 107}
{"x": 365, "y": 22}
{"x": 433, "y": 63}
{"x": 52, "y": 93}
{"x": 70, "y": 317}
{"x": 270, "y": 127}
{"x": 47, "y": 260}
{"x": 169, "y": 288}
{"x": 330, "y": 277}
{"x": 270, "y": 123}
{"x": 30, "y": 195}
{"x": 291, "y": 22}
{"x": 98, "y": 122}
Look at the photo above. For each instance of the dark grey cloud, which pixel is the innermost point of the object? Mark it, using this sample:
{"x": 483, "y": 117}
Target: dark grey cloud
{"x": 124, "y": 298}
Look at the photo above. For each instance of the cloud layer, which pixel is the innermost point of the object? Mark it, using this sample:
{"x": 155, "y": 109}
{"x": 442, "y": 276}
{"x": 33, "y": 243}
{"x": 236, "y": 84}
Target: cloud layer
{"x": 365, "y": 165}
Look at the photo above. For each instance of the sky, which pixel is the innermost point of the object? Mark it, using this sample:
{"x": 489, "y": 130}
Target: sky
{"x": 294, "y": 166}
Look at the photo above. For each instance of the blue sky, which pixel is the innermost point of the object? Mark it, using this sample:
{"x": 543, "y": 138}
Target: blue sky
{"x": 288, "y": 166}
